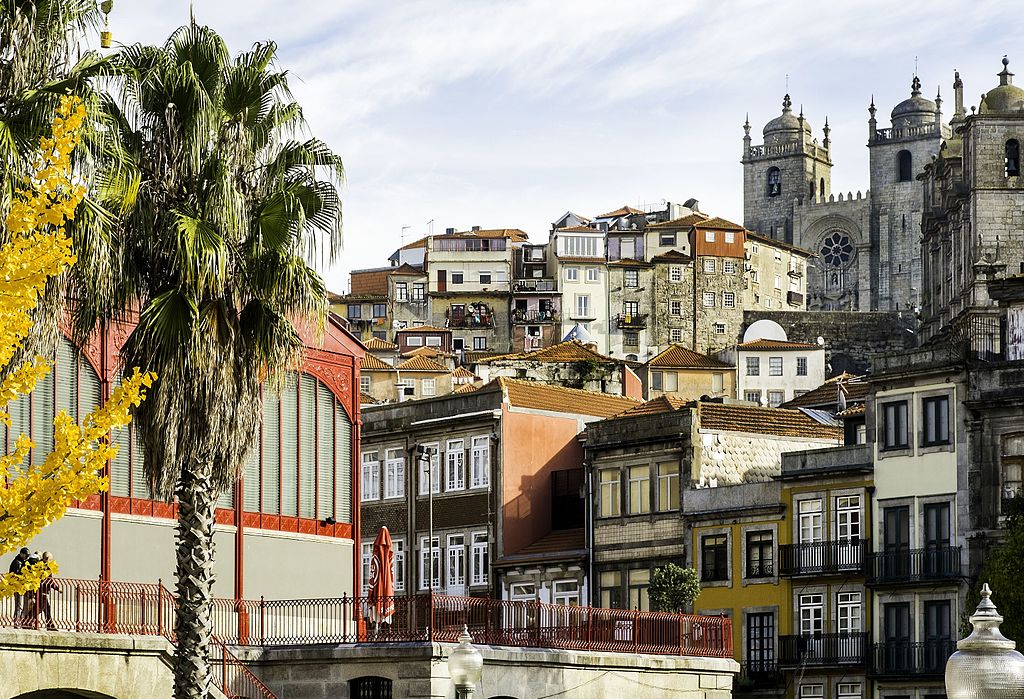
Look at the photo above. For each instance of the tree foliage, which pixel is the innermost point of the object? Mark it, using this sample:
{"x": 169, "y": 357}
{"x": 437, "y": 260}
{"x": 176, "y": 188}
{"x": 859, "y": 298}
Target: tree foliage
{"x": 37, "y": 250}
{"x": 673, "y": 588}
{"x": 1003, "y": 570}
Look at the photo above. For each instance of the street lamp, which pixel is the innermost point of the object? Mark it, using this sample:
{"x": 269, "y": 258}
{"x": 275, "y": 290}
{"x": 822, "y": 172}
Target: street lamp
{"x": 465, "y": 665}
{"x": 985, "y": 665}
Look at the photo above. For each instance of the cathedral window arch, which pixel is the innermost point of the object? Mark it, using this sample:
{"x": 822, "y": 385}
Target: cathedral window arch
{"x": 904, "y": 166}
{"x": 773, "y": 180}
{"x": 1012, "y": 161}
{"x": 821, "y": 188}
{"x": 810, "y": 191}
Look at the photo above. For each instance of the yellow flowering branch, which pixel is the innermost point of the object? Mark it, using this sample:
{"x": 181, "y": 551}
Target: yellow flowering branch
{"x": 34, "y": 496}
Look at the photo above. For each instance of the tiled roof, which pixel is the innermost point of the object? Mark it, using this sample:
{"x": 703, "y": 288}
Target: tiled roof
{"x": 672, "y": 256}
{"x": 581, "y": 260}
{"x": 463, "y": 373}
{"x": 513, "y": 234}
{"x": 542, "y": 396}
{"x": 855, "y": 387}
{"x": 628, "y": 262}
{"x": 758, "y": 420}
{"x": 859, "y": 409}
{"x": 781, "y": 345}
{"x": 719, "y": 224}
{"x": 578, "y": 229}
{"x": 421, "y": 243}
{"x": 478, "y": 356}
{"x": 684, "y": 222}
{"x": 661, "y": 404}
{"x": 422, "y": 364}
{"x": 556, "y": 541}
{"x": 466, "y": 388}
{"x": 679, "y": 357}
{"x": 407, "y": 270}
{"x": 366, "y": 399}
{"x": 423, "y": 329}
{"x": 623, "y": 211}
{"x": 430, "y": 352}
{"x": 568, "y": 351}
{"x": 370, "y": 362}
{"x": 375, "y": 344}
{"x": 771, "y": 242}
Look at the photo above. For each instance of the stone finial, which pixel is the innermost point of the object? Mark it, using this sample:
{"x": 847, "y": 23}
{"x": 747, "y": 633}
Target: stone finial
{"x": 746, "y": 126}
{"x": 871, "y": 108}
{"x": 957, "y": 82}
{"x": 1006, "y": 77}
{"x": 787, "y": 103}
{"x": 915, "y": 87}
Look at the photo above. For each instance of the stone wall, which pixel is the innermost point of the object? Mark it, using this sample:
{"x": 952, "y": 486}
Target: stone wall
{"x": 851, "y": 338}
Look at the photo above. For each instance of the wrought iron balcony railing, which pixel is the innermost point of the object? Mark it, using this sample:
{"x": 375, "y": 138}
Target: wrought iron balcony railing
{"x": 758, "y": 675}
{"x": 910, "y": 660}
{"x": 910, "y": 566}
{"x": 823, "y": 558}
{"x": 823, "y": 649}
{"x": 534, "y": 316}
{"x": 631, "y": 320}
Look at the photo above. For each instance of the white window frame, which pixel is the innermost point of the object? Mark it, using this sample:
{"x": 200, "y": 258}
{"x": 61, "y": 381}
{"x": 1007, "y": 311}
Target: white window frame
{"x": 811, "y": 614}
{"x": 728, "y": 267}
{"x": 776, "y": 398}
{"x": 753, "y": 366}
{"x": 775, "y": 366}
{"x": 364, "y": 384}
{"x": 403, "y": 384}
{"x": 398, "y": 564}
{"x": 709, "y": 265}
{"x": 610, "y": 491}
{"x": 455, "y": 465}
{"x": 812, "y": 691}
{"x": 730, "y": 237}
{"x": 675, "y": 334}
{"x": 810, "y": 518}
{"x": 848, "y": 524}
{"x": 752, "y": 395}
{"x": 479, "y": 558}
{"x": 434, "y": 552}
{"x": 370, "y": 481}
{"x": 631, "y": 279}
{"x": 481, "y": 274}
{"x": 849, "y": 612}
{"x": 414, "y": 341}
{"x": 582, "y": 305}
{"x": 638, "y": 479}
{"x": 801, "y": 366}
{"x": 428, "y": 387}
{"x": 593, "y": 275}
{"x": 455, "y": 556}
{"x": 729, "y": 299}
{"x": 849, "y": 690}
{"x": 432, "y": 340}
{"x": 710, "y": 299}
{"x": 675, "y": 273}
{"x": 431, "y": 464}
{"x": 572, "y": 274}
{"x": 709, "y": 236}
{"x": 566, "y": 592}
{"x": 366, "y": 556}
{"x": 480, "y": 462}
{"x": 394, "y": 474}
{"x": 675, "y": 309}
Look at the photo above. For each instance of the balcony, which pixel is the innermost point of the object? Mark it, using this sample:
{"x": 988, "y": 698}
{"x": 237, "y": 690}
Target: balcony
{"x": 794, "y": 298}
{"x": 758, "y": 676}
{"x": 485, "y": 320}
{"x": 823, "y": 649}
{"x": 533, "y": 316}
{"x": 911, "y": 661}
{"x": 911, "y": 567}
{"x": 823, "y": 558}
{"x": 633, "y": 321}
{"x": 534, "y": 285}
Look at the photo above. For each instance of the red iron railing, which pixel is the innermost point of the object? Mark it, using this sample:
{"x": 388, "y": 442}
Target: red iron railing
{"x": 137, "y": 608}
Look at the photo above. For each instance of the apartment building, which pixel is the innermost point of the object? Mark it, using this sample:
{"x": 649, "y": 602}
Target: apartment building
{"x": 536, "y": 301}
{"x": 772, "y": 372}
{"x": 776, "y": 274}
{"x": 680, "y": 372}
{"x": 582, "y": 273}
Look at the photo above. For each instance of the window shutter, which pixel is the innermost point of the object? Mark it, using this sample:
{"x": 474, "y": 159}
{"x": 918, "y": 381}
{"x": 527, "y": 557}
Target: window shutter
{"x": 342, "y": 465}
{"x": 290, "y": 447}
{"x": 226, "y": 499}
{"x": 307, "y": 447}
{"x": 324, "y": 452}
{"x": 67, "y": 379}
{"x": 271, "y": 481}
{"x": 88, "y": 388}
{"x": 42, "y": 418}
{"x": 120, "y": 465}
{"x": 251, "y": 479}
{"x": 140, "y": 485}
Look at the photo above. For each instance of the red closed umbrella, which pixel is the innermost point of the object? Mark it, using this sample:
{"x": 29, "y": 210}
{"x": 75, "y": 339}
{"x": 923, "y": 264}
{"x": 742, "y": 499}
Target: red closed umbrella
{"x": 381, "y": 598}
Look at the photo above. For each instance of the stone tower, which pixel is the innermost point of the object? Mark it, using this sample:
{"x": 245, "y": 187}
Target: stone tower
{"x": 897, "y": 155}
{"x": 789, "y": 165}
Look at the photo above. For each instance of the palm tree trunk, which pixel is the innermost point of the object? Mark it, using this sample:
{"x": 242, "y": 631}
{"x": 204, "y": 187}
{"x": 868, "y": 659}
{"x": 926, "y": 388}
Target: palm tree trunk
{"x": 193, "y": 626}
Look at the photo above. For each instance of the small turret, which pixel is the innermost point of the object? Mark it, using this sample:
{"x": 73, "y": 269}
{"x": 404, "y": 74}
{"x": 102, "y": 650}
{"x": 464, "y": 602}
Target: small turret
{"x": 746, "y": 136}
{"x": 872, "y": 123}
{"x": 958, "y": 96}
{"x": 938, "y": 106}
{"x": 827, "y": 131}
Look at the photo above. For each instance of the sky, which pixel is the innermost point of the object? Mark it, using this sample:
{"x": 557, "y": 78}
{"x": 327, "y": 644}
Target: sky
{"x": 507, "y": 113}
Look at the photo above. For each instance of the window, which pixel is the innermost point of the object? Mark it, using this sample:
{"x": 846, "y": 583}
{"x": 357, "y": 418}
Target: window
{"x": 480, "y": 462}
{"x": 753, "y": 366}
{"x": 709, "y": 299}
{"x": 370, "y": 688}
{"x": 848, "y": 612}
{"x": 675, "y": 308}
{"x": 717, "y": 382}
{"x": 398, "y": 564}
{"x": 380, "y": 310}
{"x": 394, "y": 474}
{"x": 709, "y": 236}
{"x": 848, "y": 517}
{"x": 630, "y": 308}
{"x": 611, "y": 589}
{"x": 894, "y": 425}
{"x": 572, "y": 274}
{"x": 401, "y": 291}
{"x": 1012, "y": 158}
{"x": 710, "y": 265}
{"x": 714, "y": 556}
{"x": 760, "y": 639}
{"x": 811, "y": 614}
{"x": 407, "y": 387}
{"x": 778, "y": 256}
{"x": 675, "y": 335}
{"x": 729, "y": 299}
{"x": 485, "y": 277}
{"x": 752, "y": 396}
{"x": 592, "y": 274}
{"x": 455, "y": 577}
{"x": 668, "y": 487}
{"x": 455, "y": 465}
{"x": 638, "y": 580}
{"x": 371, "y": 476}
{"x": 639, "y": 489}
{"x": 1012, "y": 460}
{"x": 631, "y": 279}
{"x": 801, "y": 366}
{"x": 768, "y": 302}
{"x": 728, "y": 267}
{"x": 480, "y": 558}
{"x": 776, "y": 398}
{"x": 501, "y": 276}
{"x": 631, "y": 338}
{"x": 355, "y": 310}
{"x": 428, "y": 387}
{"x": 718, "y": 328}
{"x": 366, "y": 557}
{"x": 419, "y": 290}
{"x": 666, "y": 240}
{"x": 430, "y": 470}
{"x": 778, "y": 281}
{"x": 848, "y": 690}
{"x": 657, "y": 380}
{"x": 668, "y": 381}
{"x": 760, "y": 558}
{"x": 627, "y": 248}
{"x": 583, "y": 305}
{"x": 904, "y": 166}
{"x": 812, "y": 691}
{"x": 364, "y": 384}
{"x": 458, "y": 277}
{"x": 754, "y": 249}
{"x": 433, "y": 340}
{"x": 773, "y": 179}
{"x": 479, "y": 342}
{"x": 810, "y": 522}
{"x": 610, "y": 502}
{"x": 579, "y": 246}
{"x": 566, "y": 593}
{"x": 754, "y": 277}
{"x": 774, "y": 366}
{"x": 675, "y": 273}
{"x": 414, "y": 340}
{"x": 430, "y": 563}
{"x": 730, "y": 237}
{"x": 935, "y": 412}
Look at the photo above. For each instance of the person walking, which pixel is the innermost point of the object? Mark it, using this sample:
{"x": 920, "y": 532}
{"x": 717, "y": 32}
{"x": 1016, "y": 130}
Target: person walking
{"x": 17, "y": 564}
{"x": 45, "y": 588}
{"x": 30, "y": 608}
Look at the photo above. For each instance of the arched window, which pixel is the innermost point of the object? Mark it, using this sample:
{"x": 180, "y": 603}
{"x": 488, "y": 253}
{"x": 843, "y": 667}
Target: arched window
{"x": 821, "y": 188}
{"x": 1012, "y": 158}
{"x": 810, "y": 192}
{"x": 1012, "y": 464}
{"x": 72, "y": 385}
{"x": 127, "y": 473}
{"x": 303, "y": 465}
{"x": 774, "y": 181}
{"x": 370, "y": 688}
{"x": 904, "y": 166}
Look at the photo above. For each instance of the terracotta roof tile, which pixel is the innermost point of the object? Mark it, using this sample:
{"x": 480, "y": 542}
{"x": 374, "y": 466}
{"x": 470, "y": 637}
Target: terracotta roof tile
{"x": 655, "y": 406}
{"x": 579, "y": 229}
{"x": 463, "y": 373}
{"x": 371, "y": 362}
{"x": 408, "y": 270}
{"x": 568, "y": 351}
{"x": 366, "y": 399}
{"x": 684, "y": 222}
{"x": 859, "y": 409}
{"x": 375, "y": 344}
{"x": 628, "y": 262}
{"x": 466, "y": 388}
{"x": 781, "y": 345}
{"x": 855, "y": 387}
{"x": 421, "y": 243}
{"x": 765, "y": 240}
{"x": 672, "y": 256}
{"x": 719, "y": 224}
{"x": 542, "y": 396}
{"x": 478, "y": 356}
{"x": 424, "y": 329}
{"x": 758, "y": 420}
{"x": 513, "y": 234}
{"x": 623, "y": 211}
{"x": 679, "y": 357}
{"x": 422, "y": 364}
{"x": 430, "y": 352}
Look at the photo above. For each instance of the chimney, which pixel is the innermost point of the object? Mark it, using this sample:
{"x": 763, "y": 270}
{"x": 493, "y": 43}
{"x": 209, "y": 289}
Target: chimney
{"x": 449, "y": 231}
{"x": 476, "y": 228}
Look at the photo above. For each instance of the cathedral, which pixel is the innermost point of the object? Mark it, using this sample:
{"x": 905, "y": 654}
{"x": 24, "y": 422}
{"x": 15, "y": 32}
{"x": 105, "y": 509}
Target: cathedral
{"x": 868, "y": 244}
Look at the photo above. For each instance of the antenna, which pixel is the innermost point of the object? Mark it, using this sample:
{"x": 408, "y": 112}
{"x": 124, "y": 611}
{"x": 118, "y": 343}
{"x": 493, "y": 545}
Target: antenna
{"x": 787, "y": 83}
{"x": 915, "y": 65}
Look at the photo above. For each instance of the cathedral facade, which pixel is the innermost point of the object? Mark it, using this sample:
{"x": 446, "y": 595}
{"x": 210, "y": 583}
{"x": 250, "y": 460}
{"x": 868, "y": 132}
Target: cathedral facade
{"x": 867, "y": 245}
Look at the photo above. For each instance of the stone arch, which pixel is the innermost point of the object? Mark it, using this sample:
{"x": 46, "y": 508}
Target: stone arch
{"x": 834, "y": 270}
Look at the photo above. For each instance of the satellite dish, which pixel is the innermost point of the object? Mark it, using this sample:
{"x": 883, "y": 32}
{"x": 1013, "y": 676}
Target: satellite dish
{"x": 821, "y": 341}
{"x": 764, "y": 329}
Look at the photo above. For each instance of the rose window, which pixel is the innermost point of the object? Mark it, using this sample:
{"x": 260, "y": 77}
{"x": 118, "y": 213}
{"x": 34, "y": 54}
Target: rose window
{"x": 836, "y": 249}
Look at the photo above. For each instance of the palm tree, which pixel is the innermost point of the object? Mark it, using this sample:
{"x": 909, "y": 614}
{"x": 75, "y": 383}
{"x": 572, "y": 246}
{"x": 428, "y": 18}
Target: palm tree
{"x": 221, "y": 208}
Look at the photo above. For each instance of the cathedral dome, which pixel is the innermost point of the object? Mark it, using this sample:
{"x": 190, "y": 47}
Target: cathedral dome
{"x": 917, "y": 110}
{"x": 786, "y": 124}
{"x": 1006, "y": 97}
